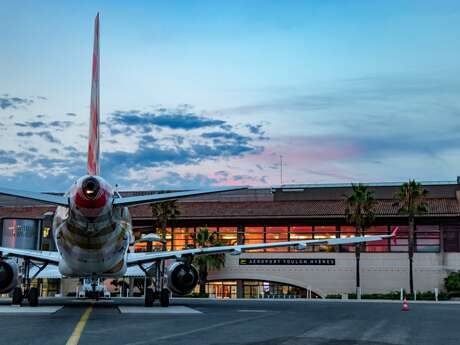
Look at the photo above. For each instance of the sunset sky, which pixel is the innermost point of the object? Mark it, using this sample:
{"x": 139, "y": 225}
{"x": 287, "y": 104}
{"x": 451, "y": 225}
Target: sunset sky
{"x": 202, "y": 93}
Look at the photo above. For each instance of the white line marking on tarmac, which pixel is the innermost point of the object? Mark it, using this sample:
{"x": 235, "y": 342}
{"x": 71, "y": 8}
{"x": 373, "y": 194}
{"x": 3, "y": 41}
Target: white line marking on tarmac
{"x": 12, "y": 309}
{"x": 252, "y": 311}
{"x": 157, "y": 310}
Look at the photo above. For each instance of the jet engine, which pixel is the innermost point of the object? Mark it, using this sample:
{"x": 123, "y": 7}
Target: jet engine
{"x": 182, "y": 278}
{"x": 8, "y": 275}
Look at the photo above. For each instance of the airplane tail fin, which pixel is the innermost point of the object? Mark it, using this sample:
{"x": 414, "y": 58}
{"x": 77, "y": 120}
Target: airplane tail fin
{"x": 93, "y": 139}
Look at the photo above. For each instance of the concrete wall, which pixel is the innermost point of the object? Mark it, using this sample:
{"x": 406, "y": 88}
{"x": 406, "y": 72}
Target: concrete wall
{"x": 382, "y": 272}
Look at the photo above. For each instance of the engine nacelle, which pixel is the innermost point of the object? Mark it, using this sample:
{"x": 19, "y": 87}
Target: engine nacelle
{"x": 182, "y": 278}
{"x": 8, "y": 275}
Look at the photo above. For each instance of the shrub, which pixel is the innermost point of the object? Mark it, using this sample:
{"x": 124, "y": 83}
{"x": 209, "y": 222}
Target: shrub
{"x": 395, "y": 295}
{"x": 334, "y": 296}
{"x": 452, "y": 282}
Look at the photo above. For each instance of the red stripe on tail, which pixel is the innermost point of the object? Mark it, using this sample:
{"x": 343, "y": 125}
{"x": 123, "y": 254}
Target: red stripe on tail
{"x": 93, "y": 140}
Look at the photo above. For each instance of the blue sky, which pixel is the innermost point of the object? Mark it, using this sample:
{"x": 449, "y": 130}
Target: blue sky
{"x": 200, "y": 93}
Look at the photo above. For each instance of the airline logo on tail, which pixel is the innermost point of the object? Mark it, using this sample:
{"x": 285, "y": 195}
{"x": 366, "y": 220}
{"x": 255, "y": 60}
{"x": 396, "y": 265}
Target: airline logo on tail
{"x": 93, "y": 142}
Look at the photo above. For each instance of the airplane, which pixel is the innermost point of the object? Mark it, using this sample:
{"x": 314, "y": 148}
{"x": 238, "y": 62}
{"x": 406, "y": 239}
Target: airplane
{"x": 92, "y": 230}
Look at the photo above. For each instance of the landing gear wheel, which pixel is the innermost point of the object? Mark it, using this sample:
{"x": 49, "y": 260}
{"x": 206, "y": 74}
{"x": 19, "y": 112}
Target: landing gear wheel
{"x": 164, "y": 298}
{"x": 33, "y": 297}
{"x": 156, "y": 295}
{"x": 149, "y": 297}
{"x": 17, "y": 296}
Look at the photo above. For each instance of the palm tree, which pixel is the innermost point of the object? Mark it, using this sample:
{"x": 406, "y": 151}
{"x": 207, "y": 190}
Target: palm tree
{"x": 164, "y": 211}
{"x": 359, "y": 212}
{"x": 411, "y": 202}
{"x": 204, "y": 238}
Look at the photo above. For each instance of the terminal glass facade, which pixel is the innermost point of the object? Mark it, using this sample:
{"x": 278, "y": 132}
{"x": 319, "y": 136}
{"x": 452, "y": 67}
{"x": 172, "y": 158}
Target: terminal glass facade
{"x": 254, "y": 289}
{"x": 20, "y": 233}
{"x": 427, "y": 237}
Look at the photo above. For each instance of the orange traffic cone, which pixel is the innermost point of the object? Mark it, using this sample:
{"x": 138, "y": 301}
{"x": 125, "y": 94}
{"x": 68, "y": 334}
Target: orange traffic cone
{"x": 405, "y": 305}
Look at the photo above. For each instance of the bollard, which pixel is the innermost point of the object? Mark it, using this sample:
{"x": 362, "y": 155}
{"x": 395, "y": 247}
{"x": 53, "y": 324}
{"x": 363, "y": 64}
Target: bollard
{"x": 401, "y": 294}
{"x": 415, "y": 295}
{"x": 436, "y": 292}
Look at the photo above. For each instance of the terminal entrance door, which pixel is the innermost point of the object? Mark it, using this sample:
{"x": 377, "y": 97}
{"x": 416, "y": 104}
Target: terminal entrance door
{"x": 224, "y": 289}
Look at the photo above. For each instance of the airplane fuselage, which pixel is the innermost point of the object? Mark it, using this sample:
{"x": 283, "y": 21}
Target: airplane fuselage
{"x": 92, "y": 235}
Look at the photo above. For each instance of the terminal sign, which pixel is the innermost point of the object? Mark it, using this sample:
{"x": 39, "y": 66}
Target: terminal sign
{"x": 312, "y": 262}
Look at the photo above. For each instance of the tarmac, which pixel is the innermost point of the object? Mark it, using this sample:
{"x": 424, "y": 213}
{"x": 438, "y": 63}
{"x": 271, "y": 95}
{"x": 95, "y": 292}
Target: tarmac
{"x": 229, "y": 322}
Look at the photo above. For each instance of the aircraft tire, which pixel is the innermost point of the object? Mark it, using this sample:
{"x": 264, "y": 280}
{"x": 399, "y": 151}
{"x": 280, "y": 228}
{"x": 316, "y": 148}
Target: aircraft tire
{"x": 17, "y": 296}
{"x": 33, "y": 297}
{"x": 164, "y": 298}
{"x": 149, "y": 297}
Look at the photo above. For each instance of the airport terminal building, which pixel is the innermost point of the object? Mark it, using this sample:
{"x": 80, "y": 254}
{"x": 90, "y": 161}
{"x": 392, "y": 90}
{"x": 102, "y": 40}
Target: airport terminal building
{"x": 290, "y": 212}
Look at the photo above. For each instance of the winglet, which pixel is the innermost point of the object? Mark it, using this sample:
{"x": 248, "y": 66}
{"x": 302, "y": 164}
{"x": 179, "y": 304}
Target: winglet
{"x": 93, "y": 139}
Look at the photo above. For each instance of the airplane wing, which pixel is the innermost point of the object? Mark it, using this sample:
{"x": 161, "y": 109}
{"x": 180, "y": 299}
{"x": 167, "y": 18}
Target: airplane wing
{"x": 39, "y": 255}
{"x": 141, "y": 258}
{"x": 147, "y": 199}
{"x": 45, "y": 198}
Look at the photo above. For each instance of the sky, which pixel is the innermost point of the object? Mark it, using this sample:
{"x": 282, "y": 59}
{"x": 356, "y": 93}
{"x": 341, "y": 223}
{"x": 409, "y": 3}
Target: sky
{"x": 212, "y": 93}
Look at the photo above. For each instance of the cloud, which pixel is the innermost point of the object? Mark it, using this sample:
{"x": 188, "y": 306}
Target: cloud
{"x": 168, "y": 138}
{"x": 13, "y": 102}
{"x": 43, "y": 134}
{"x": 31, "y": 124}
{"x": 61, "y": 124}
{"x": 146, "y": 156}
{"x": 256, "y": 129}
{"x": 185, "y": 121}
{"x": 176, "y": 118}
{"x": 222, "y": 173}
{"x": 172, "y": 147}
{"x": 25, "y": 134}
{"x": 7, "y": 157}
{"x": 44, "y": 182}
{"x": 42, "y": 124}
{"x": 225, "y": 135}
{"x": 174, "y": 180}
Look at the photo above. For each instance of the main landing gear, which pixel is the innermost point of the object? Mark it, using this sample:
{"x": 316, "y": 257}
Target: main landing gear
{"x": 158, "y": 291}
{"x": 31, "y": 293}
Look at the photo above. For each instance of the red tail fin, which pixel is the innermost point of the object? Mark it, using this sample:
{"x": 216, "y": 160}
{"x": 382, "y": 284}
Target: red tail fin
{"x": 93, "y": 142}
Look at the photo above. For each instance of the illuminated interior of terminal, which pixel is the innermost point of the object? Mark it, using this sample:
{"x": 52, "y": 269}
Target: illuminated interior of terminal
{"x": 255, "y": 289}
{"x": 427, "y": 237}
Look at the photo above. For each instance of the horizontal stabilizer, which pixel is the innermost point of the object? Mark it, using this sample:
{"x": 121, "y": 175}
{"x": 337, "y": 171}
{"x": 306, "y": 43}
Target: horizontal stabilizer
{"x": 151, "y": 198}
{"x": 45, "y": 198}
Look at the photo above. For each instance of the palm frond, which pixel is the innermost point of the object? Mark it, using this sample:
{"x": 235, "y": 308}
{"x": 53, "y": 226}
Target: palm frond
{"x": 360, "y": 206}
{"x": 410, "y": 198}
